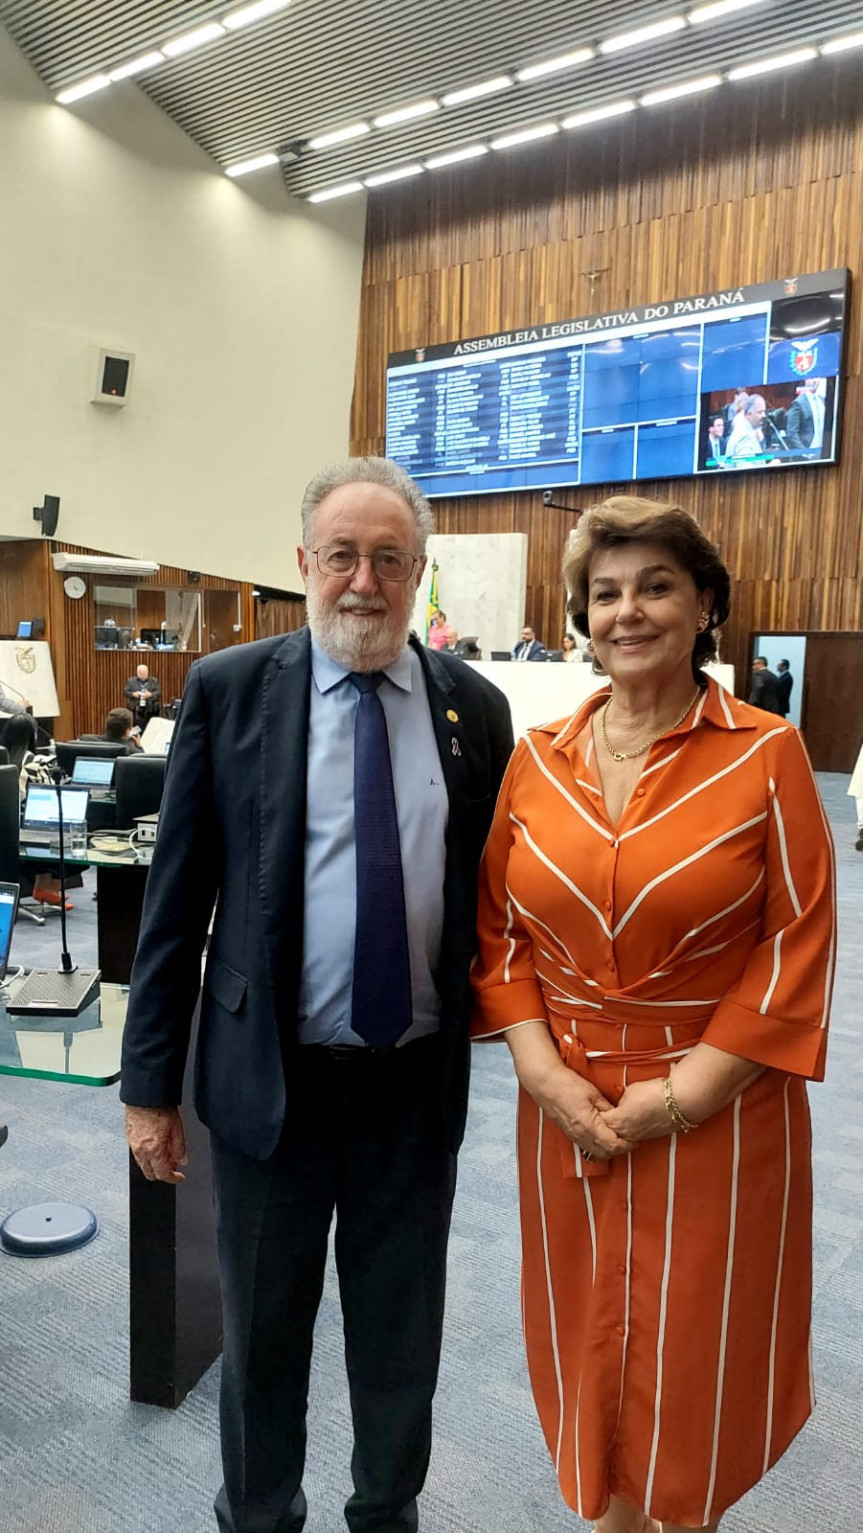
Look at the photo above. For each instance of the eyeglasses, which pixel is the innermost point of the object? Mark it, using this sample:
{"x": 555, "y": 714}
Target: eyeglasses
{"x": 388, "y": 563}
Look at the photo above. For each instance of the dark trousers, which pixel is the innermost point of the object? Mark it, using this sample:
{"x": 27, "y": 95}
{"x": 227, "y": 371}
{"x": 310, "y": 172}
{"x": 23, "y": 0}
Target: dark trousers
{"x": 363, "y": 1139}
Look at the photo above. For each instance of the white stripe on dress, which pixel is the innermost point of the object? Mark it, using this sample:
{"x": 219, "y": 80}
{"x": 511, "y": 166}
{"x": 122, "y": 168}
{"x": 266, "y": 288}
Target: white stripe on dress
{"x": 783, "y": 850}
{"x": 726, "y": 1304}
{"x": 567, "y": 882}
{"x": 702, "y": 786}
{"x": 663, "y": 1316}
{"x": 771, "y": 1371}
{"x": 627, "y": 1298}
{"x": 573, "y": 802}
{"x": 552, "y": 1318}
{"x": 508, "y": 933}
{"x": 661, "y": 878}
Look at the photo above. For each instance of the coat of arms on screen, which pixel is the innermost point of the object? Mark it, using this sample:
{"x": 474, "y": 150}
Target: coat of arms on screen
{"x": 790, "y": 286}
{"x": 804, "y": 355}
{"x": 25, "y": 659}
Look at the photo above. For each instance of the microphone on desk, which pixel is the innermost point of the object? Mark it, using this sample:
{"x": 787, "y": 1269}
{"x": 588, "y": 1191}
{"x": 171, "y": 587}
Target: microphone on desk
{"x": 67, "y": 991}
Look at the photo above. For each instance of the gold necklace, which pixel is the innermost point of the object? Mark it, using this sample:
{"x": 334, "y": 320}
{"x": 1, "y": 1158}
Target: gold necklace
{"x": 666, "y": 730}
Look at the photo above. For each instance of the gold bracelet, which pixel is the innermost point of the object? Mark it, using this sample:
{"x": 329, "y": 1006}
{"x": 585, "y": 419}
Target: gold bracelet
{"x": 681, "y": 1123}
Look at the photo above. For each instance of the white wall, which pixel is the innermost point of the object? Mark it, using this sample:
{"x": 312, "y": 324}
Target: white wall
{"x": 240, "y": 304}
{"x": 482, "y": 578}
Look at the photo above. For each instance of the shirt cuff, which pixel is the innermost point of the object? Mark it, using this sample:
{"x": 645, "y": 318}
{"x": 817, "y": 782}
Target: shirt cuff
{"x": 768, "y": 1040}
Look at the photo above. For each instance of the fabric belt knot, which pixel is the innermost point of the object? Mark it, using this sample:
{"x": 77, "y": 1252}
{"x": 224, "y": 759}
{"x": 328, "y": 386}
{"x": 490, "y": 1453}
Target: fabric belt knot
{"x": 381, "y": 999}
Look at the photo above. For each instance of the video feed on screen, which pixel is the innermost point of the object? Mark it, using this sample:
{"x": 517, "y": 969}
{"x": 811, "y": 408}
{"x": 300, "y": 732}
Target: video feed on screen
{"x": 767, "y": 425}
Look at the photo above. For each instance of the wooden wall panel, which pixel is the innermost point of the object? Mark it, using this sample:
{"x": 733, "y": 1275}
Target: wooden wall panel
{"x": 91, "y": 681}
{"x": 749, "y": 185}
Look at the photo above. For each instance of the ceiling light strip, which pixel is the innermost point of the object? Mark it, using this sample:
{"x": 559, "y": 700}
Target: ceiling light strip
{"x": 525, "y": 135}
{"x": 406, "y": 113}
{"x": 383, "y": 177}
{"x": 330, "y": 192}
{"x": 554, "y": 66}
{"x": 455, "y": 156}
{"x": 717, "y": 9}
{"x": 778, "y": 61}
{"x": 248, "y": 14}
{"x": 243, "y": 167}
{"x": 187, "y": 42}
{"x": 674, "y": 92}
{"x": 840, "y": 44}
{"x": 641, "y": 35}
{"x": 474, "y": 92}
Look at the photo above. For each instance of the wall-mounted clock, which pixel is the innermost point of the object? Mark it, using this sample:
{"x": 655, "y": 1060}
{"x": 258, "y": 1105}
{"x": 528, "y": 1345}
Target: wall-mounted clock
{"x": 74, "y": 586}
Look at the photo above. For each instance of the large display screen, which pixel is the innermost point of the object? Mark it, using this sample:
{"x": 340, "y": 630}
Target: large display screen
{"x": 747, "y": 378}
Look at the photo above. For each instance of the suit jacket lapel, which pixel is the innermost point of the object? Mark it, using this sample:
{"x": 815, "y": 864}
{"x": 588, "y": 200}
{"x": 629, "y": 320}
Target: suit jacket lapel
{"x": 284, "y": 744}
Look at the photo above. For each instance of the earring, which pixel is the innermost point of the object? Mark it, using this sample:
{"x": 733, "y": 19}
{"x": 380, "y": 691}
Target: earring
{"x": 703, "y": 622}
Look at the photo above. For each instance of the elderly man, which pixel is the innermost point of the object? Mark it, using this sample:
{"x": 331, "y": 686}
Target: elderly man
{"x": 746, "y": 441}
{"x": 329, "y": 793}
{"x": 144, "y": 695}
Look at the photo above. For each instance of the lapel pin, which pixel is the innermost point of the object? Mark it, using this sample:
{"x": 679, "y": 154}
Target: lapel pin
{"x": 452, "y": 715}
{"x": 456, "y": 748}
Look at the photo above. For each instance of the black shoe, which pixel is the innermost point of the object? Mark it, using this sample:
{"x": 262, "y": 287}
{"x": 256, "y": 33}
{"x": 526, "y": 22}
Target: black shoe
{"x": 858, "y": 844}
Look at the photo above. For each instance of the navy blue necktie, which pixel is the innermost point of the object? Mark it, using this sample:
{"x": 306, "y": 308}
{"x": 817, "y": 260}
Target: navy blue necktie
{"x": 381, "y": 1002}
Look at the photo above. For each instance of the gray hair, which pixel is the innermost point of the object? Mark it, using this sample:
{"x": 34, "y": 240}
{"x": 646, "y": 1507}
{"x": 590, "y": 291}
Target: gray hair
{"x": 379, "y": 471}
{"x": 754, "y": 402}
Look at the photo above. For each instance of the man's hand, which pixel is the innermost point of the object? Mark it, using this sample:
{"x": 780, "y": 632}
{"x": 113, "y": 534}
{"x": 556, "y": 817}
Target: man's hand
{"x": 157, "y": 1140}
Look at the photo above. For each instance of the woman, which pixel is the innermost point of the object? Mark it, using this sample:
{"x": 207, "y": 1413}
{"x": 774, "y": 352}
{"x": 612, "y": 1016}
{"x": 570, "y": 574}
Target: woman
{"x": 571, "y": 651}
{"x": 656, "y": 944}
{"x": 441, "y": 636}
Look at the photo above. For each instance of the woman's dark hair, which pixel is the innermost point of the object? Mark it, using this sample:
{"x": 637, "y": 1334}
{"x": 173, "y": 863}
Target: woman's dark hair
{"x": 118, "y": 723}
{"x": 630, "y": 519}
{"x": 564, "y": 639}
{"x": 19, "y": 737}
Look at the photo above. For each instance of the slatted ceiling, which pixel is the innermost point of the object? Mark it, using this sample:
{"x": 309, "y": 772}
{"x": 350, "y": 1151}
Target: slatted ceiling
{"x": 322, "y": 63}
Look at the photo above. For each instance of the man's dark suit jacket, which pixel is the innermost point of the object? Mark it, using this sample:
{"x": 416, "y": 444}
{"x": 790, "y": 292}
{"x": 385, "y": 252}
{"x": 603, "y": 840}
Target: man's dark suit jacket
{"x": 764, "y": 691}
{"x": 152, "y": 704}
{"x": 784, "y": 683}
{"x": 536, "y": 651}
{"x": 232, "y": 833}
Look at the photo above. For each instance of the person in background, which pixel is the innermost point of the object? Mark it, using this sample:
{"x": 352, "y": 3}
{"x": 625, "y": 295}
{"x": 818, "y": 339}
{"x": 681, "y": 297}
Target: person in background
{"x": 571, "y": 652}
{"x": 529, "y": 646}
{"x": 334, "y": 823}
{"x": 804, "y": 425}
{"x": 120, "y": 730}
{"x": 19, "y": 738}
{"x": 656, "y": 945}
{"x": 441, "y": 635}
{"x": 715, "y": 433}
{"x": 785, "y": 683}
{"x": 12, "y": 705}
{"x": 746, "y": 440}
{"x": 144, "y": 695}
{"x": 764, "y": 687}
{"x": 855, "y": 788}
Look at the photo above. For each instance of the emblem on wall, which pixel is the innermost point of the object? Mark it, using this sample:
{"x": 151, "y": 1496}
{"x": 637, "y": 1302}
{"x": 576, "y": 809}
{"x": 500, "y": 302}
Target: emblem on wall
{"x": 25, "y": 659}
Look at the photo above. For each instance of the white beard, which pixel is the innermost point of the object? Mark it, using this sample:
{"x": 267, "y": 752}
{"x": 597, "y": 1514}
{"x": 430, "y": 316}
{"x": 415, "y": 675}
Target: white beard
{"x": 356, "y": 643}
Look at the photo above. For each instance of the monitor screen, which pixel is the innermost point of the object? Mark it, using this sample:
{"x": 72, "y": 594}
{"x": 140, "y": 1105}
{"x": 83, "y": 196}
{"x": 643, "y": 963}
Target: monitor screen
{"x": 93, "y": 770}
{"x": 8, "y": 910}
{"x": 41, "y": 805}
{"x": 630, "y": 395}
{"x": 25, "y": 630}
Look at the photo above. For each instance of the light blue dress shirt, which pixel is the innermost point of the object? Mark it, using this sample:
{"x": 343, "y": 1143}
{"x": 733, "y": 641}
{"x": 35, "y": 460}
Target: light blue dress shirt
{"x": 422, "y": 809}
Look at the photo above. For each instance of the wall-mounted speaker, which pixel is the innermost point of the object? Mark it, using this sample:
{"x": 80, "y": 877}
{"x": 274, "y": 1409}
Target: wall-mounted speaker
{"x": 194, "y": 577}
{"x": 112, "y": 381}
{"x": 48, "y": 514}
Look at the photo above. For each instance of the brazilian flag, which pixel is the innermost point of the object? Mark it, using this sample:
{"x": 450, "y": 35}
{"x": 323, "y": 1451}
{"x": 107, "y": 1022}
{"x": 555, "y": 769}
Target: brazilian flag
{"x": 433, "y": 601}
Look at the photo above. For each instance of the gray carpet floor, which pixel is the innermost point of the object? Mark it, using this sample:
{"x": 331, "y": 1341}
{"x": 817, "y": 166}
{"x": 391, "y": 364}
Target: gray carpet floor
{"x": 76, "y": 1455}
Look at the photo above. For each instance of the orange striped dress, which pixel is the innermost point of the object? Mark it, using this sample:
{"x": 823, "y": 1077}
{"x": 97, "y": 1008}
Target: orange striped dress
{"x": 666, "y": 1294}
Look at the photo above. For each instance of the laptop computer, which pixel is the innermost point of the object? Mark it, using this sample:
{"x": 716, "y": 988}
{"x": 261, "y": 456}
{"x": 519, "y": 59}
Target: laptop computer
{"x": 93, "y": 771}
{"x": 8, "y": 912}
{"x": 501, "y": 654}
{"x": 42, "y": 815}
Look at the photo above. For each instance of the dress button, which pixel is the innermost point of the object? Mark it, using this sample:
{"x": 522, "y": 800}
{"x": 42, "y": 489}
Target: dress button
{"x": 621, "y": 1267}
{"x": 621, "y": 1330}
{"x": 639, "y": 792}
{"x": 608, "y": 904}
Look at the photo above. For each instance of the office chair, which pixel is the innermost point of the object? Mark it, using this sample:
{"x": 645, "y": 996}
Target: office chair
{"x": 68, "y": 751}
{"x": 468, "y": 648}
{"x": 10, "y": 827}
{"x": 139, "y": 782}
{"x": 4, "y": 756}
